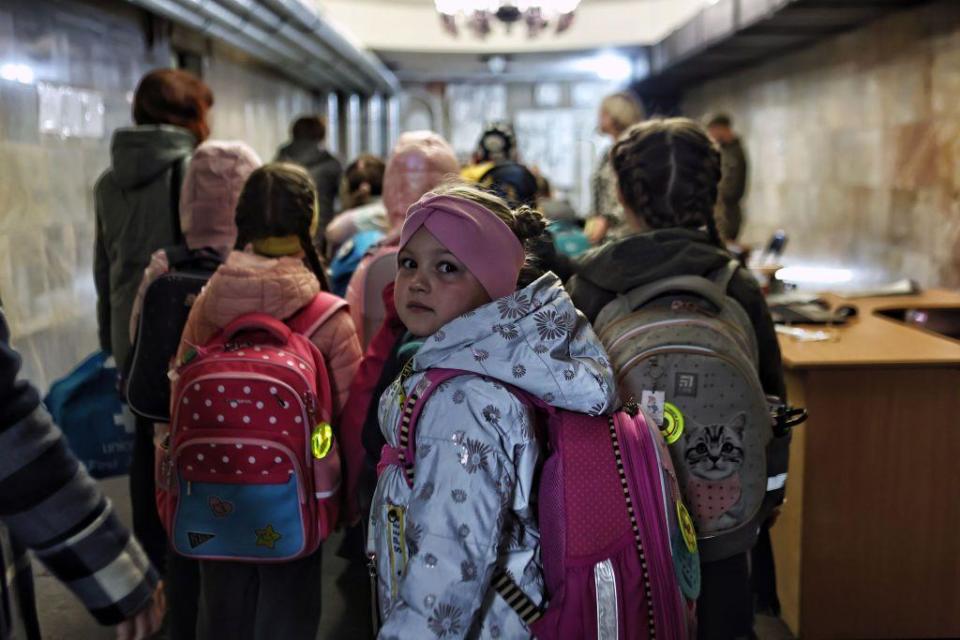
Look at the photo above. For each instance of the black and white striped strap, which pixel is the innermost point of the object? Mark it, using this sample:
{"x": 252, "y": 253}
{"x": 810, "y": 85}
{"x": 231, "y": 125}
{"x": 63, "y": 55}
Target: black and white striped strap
{"x": 647, "y": 591}
{"x": 514, "y": 596}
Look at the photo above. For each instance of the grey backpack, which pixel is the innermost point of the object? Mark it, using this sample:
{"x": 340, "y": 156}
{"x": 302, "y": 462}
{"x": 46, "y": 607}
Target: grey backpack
{"x": 686, "y": 352}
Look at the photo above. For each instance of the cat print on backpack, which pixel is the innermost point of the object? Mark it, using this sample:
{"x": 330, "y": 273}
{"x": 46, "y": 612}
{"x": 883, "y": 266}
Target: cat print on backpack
{"x": 714, "y": 457}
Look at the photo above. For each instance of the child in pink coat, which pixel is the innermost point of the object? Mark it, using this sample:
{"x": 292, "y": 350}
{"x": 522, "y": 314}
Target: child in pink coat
{"x": 275, "y": 270}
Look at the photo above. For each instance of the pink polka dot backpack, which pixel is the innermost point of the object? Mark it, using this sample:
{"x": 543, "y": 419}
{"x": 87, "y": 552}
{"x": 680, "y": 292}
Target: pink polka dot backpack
{"x": 252, "y": 468}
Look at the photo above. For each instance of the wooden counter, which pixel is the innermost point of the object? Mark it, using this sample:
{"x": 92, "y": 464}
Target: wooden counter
{"x": 868, "y": 542}
{"x": 875, "y": 340}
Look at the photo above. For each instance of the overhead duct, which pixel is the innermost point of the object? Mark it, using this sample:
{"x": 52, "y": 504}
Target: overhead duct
{"x": 294, "y": 40}
{"x": 731, "y": 34}
{"x": 363, "y": 61}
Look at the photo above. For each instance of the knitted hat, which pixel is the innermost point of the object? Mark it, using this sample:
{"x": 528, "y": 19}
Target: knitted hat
{"x": 211, "y": 188}
{"x": 420, "y": 162}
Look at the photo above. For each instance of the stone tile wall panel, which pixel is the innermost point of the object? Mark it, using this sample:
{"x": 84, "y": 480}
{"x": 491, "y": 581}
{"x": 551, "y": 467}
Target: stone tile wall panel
{"x": 854, "y": 146}
{"x": 46, "y": 181}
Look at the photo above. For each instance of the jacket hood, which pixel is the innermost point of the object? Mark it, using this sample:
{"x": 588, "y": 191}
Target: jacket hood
{"x": 533, "y": 339}
{"x": 303, "y": 152}
{"x": 140, "y": 154}
{"x": 639, "y": 259}
{"x": 248, "y": 283}
{"x": 211, "y": 188}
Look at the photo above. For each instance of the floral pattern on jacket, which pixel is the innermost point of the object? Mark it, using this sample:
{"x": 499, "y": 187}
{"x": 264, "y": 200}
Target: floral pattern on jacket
{"x": 471, "y": 508}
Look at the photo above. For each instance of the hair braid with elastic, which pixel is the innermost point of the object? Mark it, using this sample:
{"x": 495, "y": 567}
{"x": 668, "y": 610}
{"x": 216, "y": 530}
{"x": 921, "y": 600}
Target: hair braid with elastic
{"x": 668, "y": 172}
{"x": 279, "y": 200}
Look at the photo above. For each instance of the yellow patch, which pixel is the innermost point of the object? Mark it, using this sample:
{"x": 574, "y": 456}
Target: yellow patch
{"x": 686, "y": 527}
{"x": 396, "y": 538}
{"x": 321, "y": 440}
{"x": 672, "y": 427}
{"x": 267, "y": 537}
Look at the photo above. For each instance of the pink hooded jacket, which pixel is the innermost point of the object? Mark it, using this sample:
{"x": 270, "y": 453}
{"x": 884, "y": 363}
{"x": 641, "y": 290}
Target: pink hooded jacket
{"x": 421, "y": 160}
{"x": 248, "y": 283}
{"x": 208, "y": 202}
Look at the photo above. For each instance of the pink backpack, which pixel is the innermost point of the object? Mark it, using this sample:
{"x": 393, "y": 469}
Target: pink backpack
{"x": 617, "y": 544}
{"x": 252, "y": 471}
{"x": 365, "y": 290}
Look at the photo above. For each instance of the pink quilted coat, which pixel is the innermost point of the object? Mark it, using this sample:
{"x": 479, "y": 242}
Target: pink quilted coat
{"x": 247, "y": 283}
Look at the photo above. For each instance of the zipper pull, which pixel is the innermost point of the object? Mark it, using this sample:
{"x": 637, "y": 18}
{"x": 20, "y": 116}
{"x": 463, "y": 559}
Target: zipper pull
{"x": 312, "y": 404}
{"x": 189, "y": 487}
{"x": 374, "y": 596}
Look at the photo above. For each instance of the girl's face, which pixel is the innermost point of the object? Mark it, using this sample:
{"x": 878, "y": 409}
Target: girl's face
{"x": 433, "y": 287}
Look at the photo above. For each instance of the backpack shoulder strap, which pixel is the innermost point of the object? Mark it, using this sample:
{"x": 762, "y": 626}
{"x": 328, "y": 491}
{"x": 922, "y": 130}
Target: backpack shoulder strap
{"x": 415, "y": 402}
{"x": 412, "y": 408}
{"x": 177, "y": 255}
{"x": 182, "y": 258}
{"x": 176, "y": 182}
{"x": 724, "y": 275}
{"x": 501, "y": 581}
{"x": 315, "y": 313}
{"x": 637, "y": 297}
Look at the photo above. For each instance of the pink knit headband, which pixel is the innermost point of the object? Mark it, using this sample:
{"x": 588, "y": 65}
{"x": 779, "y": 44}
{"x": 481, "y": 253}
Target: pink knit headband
{"x": 474, "y": 234}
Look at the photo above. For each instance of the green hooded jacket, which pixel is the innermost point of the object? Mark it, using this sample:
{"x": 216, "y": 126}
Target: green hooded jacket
{"x": 133, "y": 201}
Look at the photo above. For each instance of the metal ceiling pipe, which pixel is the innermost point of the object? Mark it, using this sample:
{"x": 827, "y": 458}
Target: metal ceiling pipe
{"x": 221, "y": 27}
{"x": 374, "y": 70}
{"x": 289, "y": 49}
{"x": 279, "y": 28}
{"x": 271, "y": 37}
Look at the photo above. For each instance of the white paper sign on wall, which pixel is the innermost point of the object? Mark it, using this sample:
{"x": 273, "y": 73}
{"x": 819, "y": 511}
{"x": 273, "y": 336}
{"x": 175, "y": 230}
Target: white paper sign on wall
{"x": 70, "y": 112}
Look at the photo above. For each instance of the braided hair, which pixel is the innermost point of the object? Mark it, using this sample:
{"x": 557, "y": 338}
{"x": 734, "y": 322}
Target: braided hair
{"x": 279, "y": 200}
{"x": 669, "y": 172}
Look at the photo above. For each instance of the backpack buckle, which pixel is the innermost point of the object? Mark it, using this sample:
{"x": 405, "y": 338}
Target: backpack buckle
{"x": 786, "y": 418}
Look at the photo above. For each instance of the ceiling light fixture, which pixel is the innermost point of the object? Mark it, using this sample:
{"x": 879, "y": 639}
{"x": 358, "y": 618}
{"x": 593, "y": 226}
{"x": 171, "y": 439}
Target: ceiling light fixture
{"x": 479, "y": 15}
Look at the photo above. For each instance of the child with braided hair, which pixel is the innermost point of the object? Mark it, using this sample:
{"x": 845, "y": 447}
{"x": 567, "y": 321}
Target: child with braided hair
{"x": 668, "y": 173}
{"x": 275, "y": 270}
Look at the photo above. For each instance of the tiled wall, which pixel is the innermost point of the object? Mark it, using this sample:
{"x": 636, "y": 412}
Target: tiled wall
{"x": 253, "y": 104}
{"x": 855, "y": 146}
{"x": 46, "y": 179}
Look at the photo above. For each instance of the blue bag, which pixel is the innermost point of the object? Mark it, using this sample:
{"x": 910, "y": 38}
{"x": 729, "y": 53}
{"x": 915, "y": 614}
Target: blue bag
{"x": 348, "y": 259}
{"x": 568, "y": 238}
{"x": 89, "y": 410}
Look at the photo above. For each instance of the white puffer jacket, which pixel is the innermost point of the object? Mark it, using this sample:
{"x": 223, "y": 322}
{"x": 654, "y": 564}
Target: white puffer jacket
{"x": 471, "y": 506}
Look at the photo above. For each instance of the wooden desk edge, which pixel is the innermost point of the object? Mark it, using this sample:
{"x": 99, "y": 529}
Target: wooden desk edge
{"x": 869, "y": 312}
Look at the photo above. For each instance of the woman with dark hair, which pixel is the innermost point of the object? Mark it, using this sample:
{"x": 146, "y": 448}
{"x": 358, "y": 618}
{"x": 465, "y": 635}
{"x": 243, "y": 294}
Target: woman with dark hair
{"x": 137, "y": 212}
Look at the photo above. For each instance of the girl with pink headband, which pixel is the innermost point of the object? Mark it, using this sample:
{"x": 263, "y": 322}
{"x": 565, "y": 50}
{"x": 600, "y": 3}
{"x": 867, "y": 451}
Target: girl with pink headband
{"x": 466, "y": 289}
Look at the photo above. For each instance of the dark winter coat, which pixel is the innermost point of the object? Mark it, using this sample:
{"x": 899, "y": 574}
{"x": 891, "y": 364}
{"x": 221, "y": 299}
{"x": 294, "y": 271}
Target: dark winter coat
{"x": 48, "y": 503}
{"x": 640, "y": 259}
{"x": 322, "y": 167}
{"x": 134, "y": 202}
{"x": 733, "y": 188}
